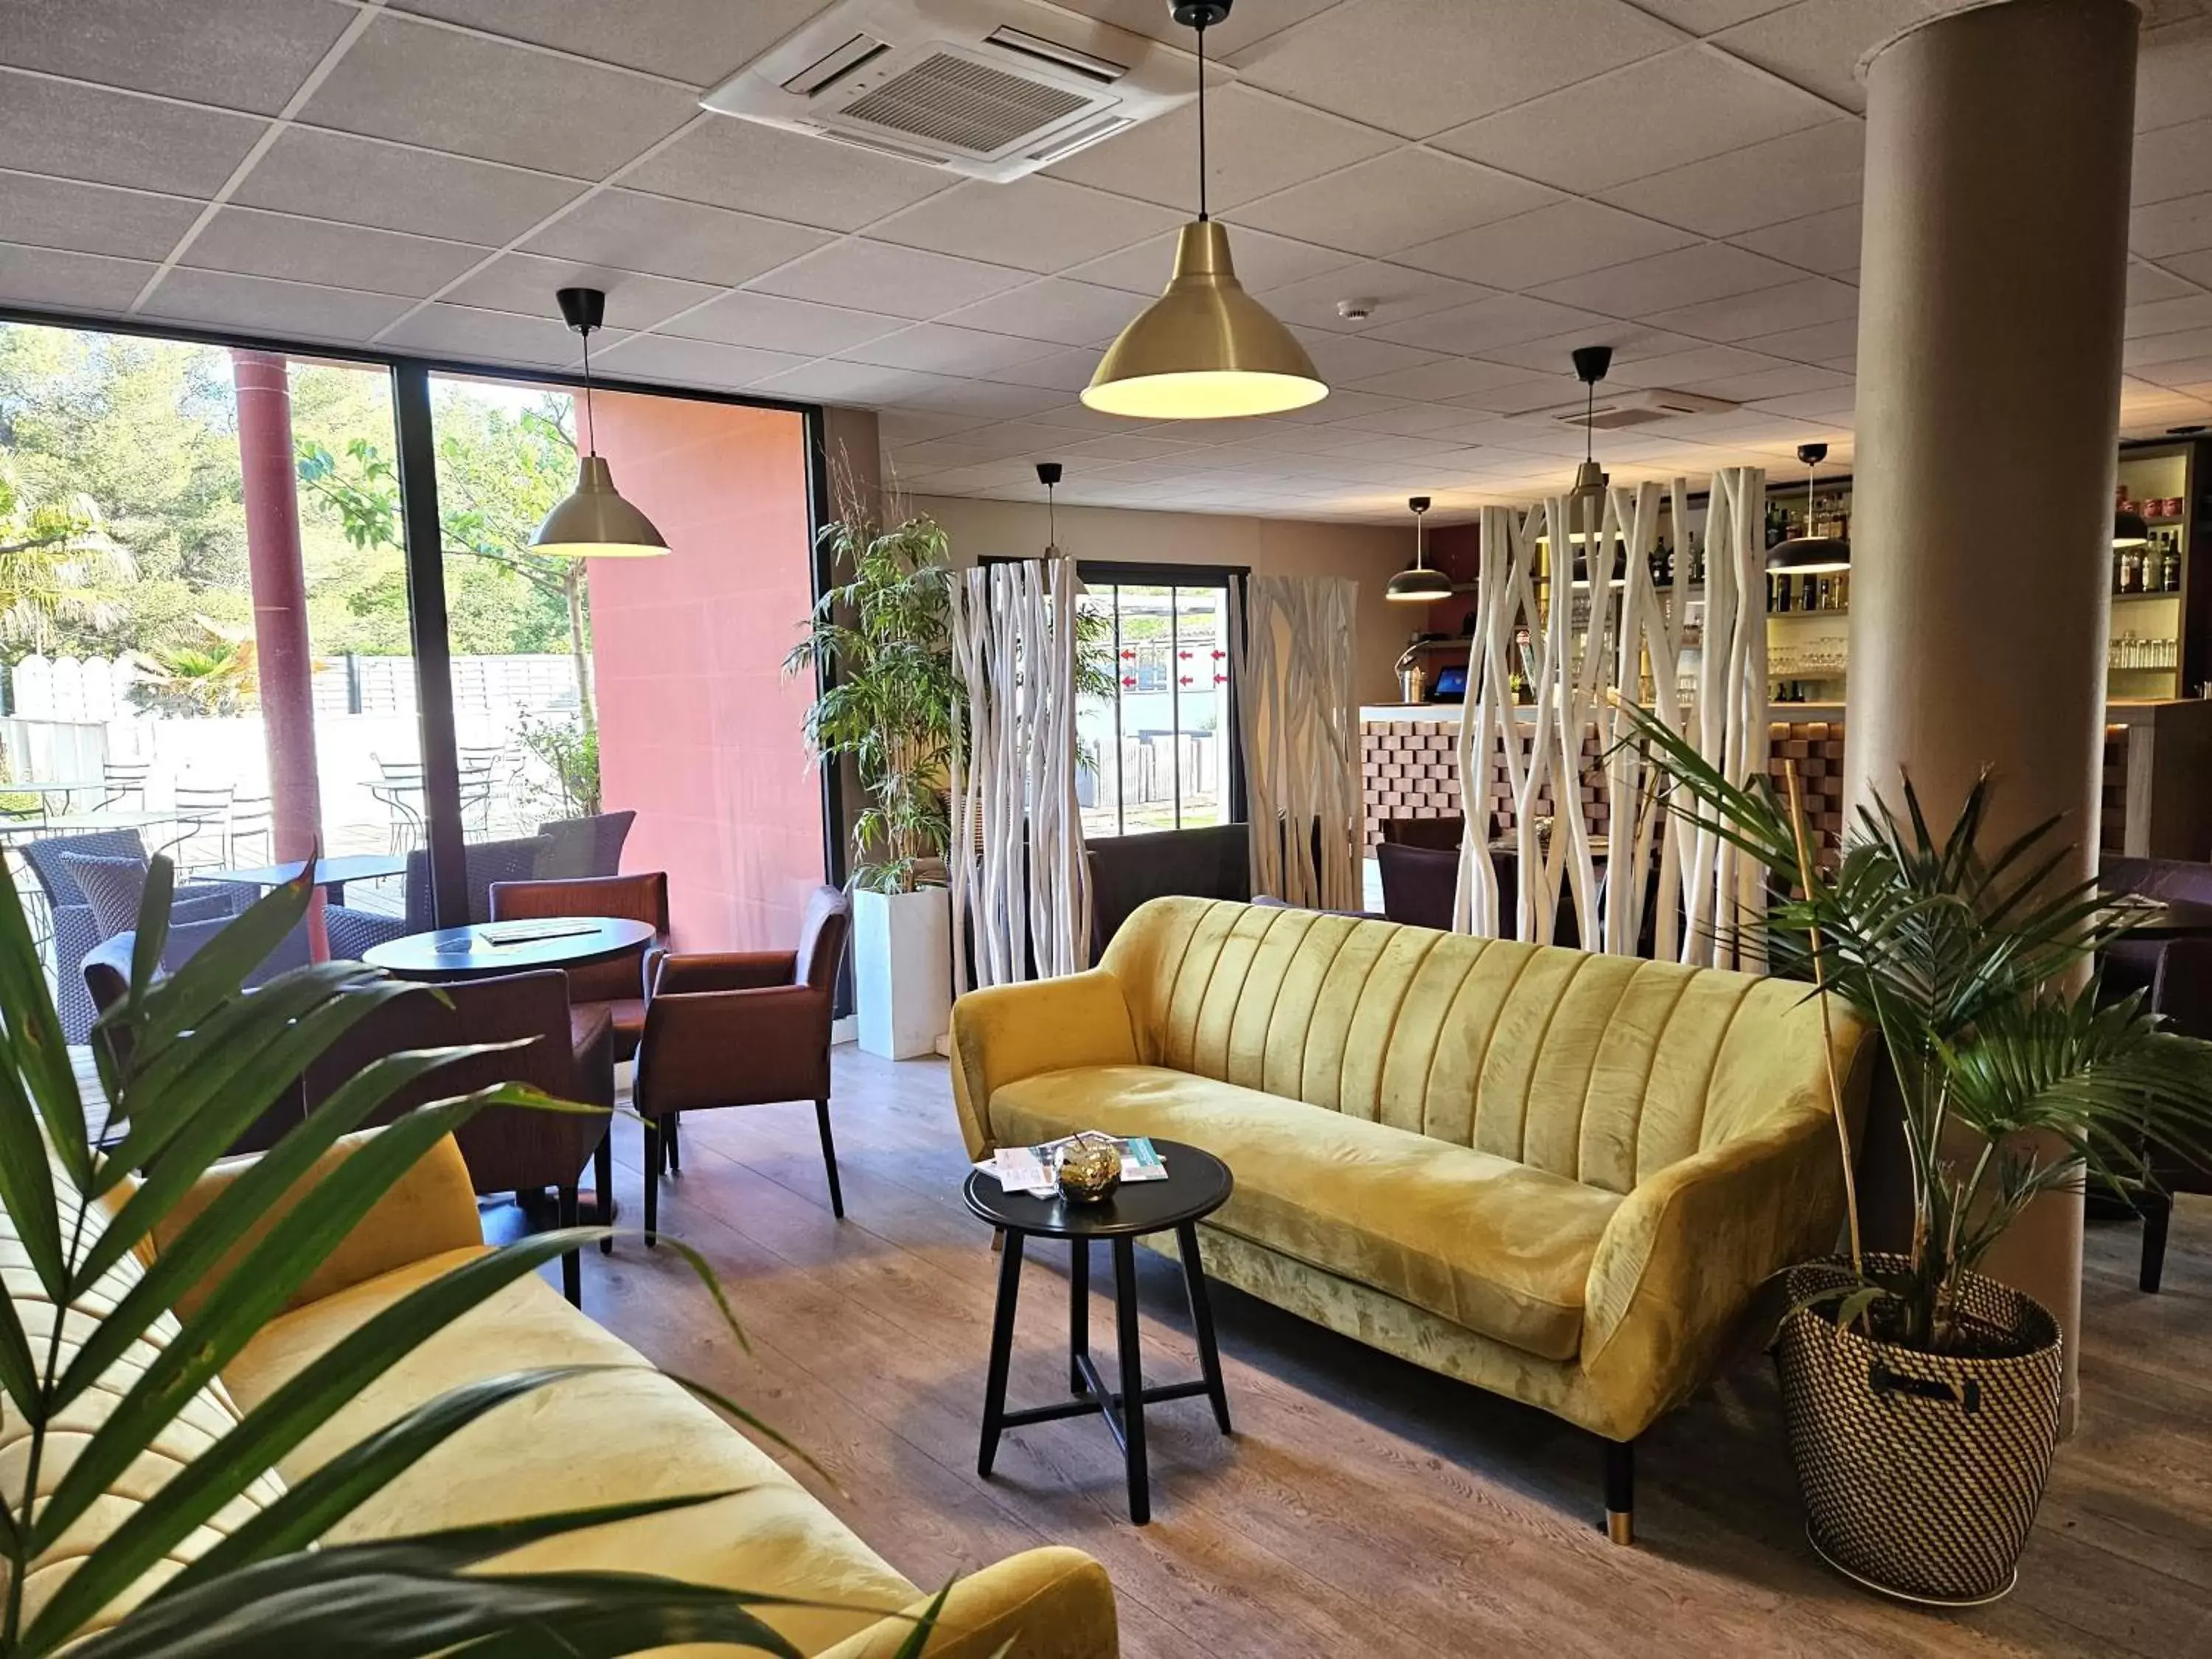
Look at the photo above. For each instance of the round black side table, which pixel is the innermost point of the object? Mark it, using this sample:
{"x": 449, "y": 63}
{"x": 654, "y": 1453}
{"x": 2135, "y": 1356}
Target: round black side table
{"x": 1198, "y": 1183}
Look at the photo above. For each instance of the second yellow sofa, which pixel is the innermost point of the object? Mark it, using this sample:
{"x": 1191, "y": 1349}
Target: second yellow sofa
{"x": 1556, "y": 1175}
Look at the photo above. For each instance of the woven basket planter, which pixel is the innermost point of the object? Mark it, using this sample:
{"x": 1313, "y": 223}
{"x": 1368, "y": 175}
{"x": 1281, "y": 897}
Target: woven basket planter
{"x": 1921, "y": 1472}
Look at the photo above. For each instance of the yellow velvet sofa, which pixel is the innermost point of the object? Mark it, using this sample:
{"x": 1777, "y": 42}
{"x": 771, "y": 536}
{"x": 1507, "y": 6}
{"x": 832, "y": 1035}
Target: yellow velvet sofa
{"x": 620, "y": 1434}
{"x": 1556, "y": 1175}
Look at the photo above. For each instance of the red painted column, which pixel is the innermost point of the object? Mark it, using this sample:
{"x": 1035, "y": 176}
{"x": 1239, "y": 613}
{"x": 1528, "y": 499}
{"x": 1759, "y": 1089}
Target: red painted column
{"x": 284, "y": 660}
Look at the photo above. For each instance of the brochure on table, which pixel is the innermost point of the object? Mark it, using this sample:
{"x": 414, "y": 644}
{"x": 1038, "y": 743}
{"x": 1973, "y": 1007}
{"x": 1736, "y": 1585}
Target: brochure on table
{"x": 1030, "y": 1169}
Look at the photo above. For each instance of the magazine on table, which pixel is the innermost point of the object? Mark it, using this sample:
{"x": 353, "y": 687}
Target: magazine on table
{"x": 1030, "y": 1169}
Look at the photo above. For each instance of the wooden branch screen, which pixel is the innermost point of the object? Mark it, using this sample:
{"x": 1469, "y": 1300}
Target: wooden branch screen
{"x": 1021, "y": 893}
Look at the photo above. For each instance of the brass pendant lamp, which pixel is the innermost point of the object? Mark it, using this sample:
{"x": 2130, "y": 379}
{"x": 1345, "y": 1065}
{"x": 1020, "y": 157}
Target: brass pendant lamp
{"x": 592, "y": 521}
{"x": 1809, "y": 555}
{"x": 1204, "y": 350}
{"x": 1418, "y": 583}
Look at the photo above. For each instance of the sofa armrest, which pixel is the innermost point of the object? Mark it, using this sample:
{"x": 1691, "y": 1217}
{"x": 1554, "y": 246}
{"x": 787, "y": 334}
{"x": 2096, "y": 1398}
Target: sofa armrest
{"x": 1053, "y": 1603}
{"x": 1007, "y": 1032}
{"x": 1686, "y": 1253}
{"x": 429, "y": 1209}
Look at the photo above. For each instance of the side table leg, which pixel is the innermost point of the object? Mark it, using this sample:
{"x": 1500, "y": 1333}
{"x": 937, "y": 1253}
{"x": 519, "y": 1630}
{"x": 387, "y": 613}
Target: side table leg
{"x": 1133, "y": 1379}
{"x": 1201, "y": 1321}
{"x": 1002, "y": 1348}
{"x": 1079, "y": 1311}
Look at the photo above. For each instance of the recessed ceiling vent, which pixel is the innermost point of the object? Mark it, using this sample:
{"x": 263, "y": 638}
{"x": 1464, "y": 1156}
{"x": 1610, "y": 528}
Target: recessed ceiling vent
{"x": 1638, "y": 409}
{"x": 991, "y": 88}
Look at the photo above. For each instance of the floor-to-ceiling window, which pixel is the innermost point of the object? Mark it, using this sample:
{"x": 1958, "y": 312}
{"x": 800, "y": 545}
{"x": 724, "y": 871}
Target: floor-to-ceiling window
{"x": 1155, "y": 728}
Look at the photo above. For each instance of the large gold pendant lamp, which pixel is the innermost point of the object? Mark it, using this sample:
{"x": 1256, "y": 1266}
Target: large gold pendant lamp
{"x": 1206, "y": 349}
{"x": 594, "y": 522}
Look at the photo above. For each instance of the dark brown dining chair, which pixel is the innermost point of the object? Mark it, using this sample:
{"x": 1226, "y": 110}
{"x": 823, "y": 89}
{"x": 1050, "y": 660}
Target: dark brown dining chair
{"x": 618, "y": 986}
{"x": 2181, "y": 990}
{"x": 507, "y": 1148}
{"x": 742, "y": 1029}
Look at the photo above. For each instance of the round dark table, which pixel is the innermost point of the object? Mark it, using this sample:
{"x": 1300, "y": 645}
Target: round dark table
{"x": 2164, "y": 918}
{"x": 1198, "y": 1183}
{"x": 473, "y": 952}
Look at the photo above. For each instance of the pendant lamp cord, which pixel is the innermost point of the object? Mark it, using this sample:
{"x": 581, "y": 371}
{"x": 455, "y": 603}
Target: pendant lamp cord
{"x": 1589, "y": 415}
{"x": 1201, "y": 124}
{"x": 1051, "y": 522}
{"x": 591, "y": 424}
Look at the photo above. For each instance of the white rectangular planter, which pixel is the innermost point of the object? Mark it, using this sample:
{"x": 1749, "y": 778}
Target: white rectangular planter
{"x": 903, "y": 970}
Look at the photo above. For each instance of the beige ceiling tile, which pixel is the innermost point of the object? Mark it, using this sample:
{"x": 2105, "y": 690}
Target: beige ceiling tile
{"x": 777, "y": 324}
{"x": 1245, "y": 25}
{"x": 60, "y": 213}
{"x": 2154, "y": 350}
{"x": 1291, "y": 438}
{"x": 279, "y": 308}
{"x": 1061, "y": 368}
{"x": 238, "y": 54}
{"x": 2148, "y": 284}
{"x": 1447, "y": 377}
{"x": 1787, "y": 178}
{"x": 526, "y": 284}
{"x": 2173, "y": 78}
{"x": 1782, "y": 380}
{"x": 621, "y": 230}
{"x": 1338, "y": 405}
{"x": 1124, "y": 446}
{"x": 1503, "y": 319}
{"x": 693, "y": 362}
{"x": 1255, "y": 145}
{"x": 1000, "y": 438}
{"x": 903, "y": 426}
{"x": 943, "y": 456}
{"x": 1630, "y": 343}
{"x": 1822, "y": 343}
{"x": 1826, "y": 242}
{"x": 1818, "y": 43}
{"x": 1414, "y": 421}
{"x": 1667, "y": 281}
{"x": 68, "y": 131}
{"x": 1561, "y": 240}
{"x": 1034, "y": 223}
{"x": 703, "y": 42}
{"x": 2169, "y": 316}
{"x": 447, "y": 90}
{"x": 1801, "y": 304}
{"x": 1391, "y": 293}
{"x": 1831, "y": 405}
{"x": 493, "y": 336}
{"x": 1347, "y": 357}
{"x": 1418, "y": 66}
{"x": 832, "y": 382}
{"x": 937, "y": 348}
{"x": 257, "y": 244}
{"x": 868, "y": 276}
{"x": 1264, "y": 262}
{"x": 2197, "y": 267}
{"x": 1689, "y": 368}
{"x": 1055, "y": 309}
{"x": 2180, "y": 226}
{"x": 1711, "y": 16}
{"x": 51, "y": 279}
{"x": 2174, "y": 161}
{"x": 1393, "y": 201}
{"x": 1538, "y": 392}
{"x": 993, "y": 398}
{"x": 1387, "y": 447}
{"x": 1663, "y": 112}
{"x": 729, "y": 163}
{"x": 362, "y": 181}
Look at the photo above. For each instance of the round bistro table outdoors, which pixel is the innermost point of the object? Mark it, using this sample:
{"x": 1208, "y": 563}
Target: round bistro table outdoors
{"x": 475, "y": 952}
{"x": 1198, "y": 1183}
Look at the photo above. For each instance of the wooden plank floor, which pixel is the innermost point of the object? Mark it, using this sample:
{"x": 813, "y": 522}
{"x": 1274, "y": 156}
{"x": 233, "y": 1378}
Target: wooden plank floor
{"x": 1363, "y": 1506}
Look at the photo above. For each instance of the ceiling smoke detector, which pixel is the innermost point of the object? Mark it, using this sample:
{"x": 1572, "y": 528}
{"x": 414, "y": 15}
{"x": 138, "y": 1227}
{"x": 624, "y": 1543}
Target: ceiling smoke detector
{"x": 1625, "y": 408}
{"x": 1355, "y": 311}
{"x": 991, "y": 88}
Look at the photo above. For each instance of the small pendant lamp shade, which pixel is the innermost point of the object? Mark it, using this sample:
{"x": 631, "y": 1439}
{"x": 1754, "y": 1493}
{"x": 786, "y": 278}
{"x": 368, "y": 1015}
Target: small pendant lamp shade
{"x": 1204, "y": 350}
{"x": 1418, "y": 583}
{"x": 594, "y": 522}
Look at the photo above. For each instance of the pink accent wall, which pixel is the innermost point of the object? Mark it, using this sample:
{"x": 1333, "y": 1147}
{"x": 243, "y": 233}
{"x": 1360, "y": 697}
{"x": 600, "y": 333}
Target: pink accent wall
{"x": 699, "y": 730}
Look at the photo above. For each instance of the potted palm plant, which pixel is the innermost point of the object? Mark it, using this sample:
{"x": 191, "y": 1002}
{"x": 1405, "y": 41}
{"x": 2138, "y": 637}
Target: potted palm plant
{"x": 879, "y": 642}
{"x": 112, "y": 1549}
{"x": 1921, "y": 1396}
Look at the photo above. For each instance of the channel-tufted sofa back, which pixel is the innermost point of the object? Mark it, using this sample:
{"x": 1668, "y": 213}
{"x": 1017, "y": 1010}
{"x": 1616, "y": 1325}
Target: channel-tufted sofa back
{"x": 1603, "y": 1069}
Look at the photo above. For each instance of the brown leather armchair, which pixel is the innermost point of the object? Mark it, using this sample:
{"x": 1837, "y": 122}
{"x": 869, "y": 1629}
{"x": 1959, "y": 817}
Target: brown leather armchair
{"x": 618, "y": 986}
{"x": 741, "y": 1029}
{"x": 507, "y": 1148}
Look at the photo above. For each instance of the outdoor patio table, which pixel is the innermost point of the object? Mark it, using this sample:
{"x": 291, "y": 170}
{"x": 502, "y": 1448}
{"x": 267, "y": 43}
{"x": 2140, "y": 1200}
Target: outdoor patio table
{"x": 332, "y": 874}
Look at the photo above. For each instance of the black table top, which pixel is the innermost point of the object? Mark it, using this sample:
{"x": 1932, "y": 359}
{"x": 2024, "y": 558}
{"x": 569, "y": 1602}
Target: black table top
{"x": 2158, "y": 918}
{"x": 1198, "y": 1184}
{"x": 353, "y": 867}
{"x": 474, "y": 952}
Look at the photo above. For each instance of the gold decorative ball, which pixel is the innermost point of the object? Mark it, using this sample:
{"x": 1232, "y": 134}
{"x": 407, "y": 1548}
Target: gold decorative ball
{"x": 1089, "y": 1169}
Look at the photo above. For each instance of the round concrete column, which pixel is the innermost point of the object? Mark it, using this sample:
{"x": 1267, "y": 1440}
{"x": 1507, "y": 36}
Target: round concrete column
{"x": 1993, "y": 277}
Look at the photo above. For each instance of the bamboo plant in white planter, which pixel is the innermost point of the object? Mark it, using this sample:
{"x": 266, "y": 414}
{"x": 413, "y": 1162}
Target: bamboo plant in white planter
{"x": 1921, "y": 1396}
{"x": 880, "y": 640}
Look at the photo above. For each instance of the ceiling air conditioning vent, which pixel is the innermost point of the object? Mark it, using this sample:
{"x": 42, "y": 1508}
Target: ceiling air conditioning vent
{"x": 1638, "y": 409}
{"x": 991, "y": 88}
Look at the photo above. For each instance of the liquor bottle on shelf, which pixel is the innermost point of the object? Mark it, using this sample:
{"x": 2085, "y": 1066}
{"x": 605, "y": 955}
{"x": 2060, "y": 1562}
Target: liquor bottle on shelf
{"x": 2173, "y": 573}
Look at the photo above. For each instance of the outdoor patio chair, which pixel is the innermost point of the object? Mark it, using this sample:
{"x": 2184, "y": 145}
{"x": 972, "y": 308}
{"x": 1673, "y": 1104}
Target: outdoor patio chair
{"x": 74, "y": 931}
{"x": 252, "y": 838}
{"x": 400, "y": 790}
{"x": 585, "y": 847}
{"x": 203, "y": 822}
{"x": 353, "y": 933}
{"x": 122, "y": 780}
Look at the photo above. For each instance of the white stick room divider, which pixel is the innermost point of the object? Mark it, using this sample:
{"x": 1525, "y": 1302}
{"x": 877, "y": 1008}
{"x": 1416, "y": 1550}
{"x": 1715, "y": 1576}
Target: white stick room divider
{"x": 1021, "y": 889}
{"x": 1598, "y": 626}
{"x": 1289, "y": 648}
